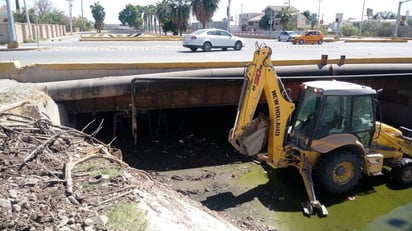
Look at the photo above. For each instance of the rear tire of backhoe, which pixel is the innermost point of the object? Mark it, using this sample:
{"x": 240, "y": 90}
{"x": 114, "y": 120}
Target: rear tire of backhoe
{"x": 339, "y": 171}
{"x": 402, "y": 172}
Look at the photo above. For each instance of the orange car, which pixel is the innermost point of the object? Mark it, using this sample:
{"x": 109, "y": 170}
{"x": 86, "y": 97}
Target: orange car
{"x": 309, "y": 37}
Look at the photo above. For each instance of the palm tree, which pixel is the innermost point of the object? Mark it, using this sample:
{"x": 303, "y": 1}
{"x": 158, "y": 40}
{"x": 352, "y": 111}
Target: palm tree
{"x": 284, "y": 17}
{"x": 310, "y": 18}
{"x": 98, "y": 15}
{"x": 162, "y": 11}
{"x": 180, "y": 13}
{"x": 204, "y": 10}
{"x": 17, "y": 6}
{"x": 149, "y": 17}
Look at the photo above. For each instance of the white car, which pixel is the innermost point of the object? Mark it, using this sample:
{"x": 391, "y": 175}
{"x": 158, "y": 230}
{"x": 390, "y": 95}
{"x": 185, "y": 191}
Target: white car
{"x": 207, "y": 39}
{"x": 286, "y": 36}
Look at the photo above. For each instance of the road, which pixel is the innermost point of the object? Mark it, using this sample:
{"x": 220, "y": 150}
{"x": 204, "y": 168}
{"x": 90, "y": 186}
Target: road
{"x": 70, "y": 50}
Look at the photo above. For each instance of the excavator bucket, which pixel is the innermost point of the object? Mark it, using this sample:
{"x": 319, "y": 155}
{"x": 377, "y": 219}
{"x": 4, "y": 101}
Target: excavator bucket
{"x": 254, "y": 137}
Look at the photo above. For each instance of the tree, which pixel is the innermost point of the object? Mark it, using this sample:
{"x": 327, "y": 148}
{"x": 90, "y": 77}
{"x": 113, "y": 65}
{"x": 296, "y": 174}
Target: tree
{"x": 44, "y": 6}
{"x": 170, "y": 26}
{"x": 284, "y": 17}
{"x": 180, "y": 14}
{"x": 20, "y": 16}
{"x": 98, "y": 15}
{"x": 52, "y": 16}
{"x": 131, "y": 16}
{"x": 349, "y": 30}
{"x": 310, "y": 18}
{"x": 149, "y": 13}
{"x": 82, "y": 22}
{"x": 204, "y": 10}
{"x": 17, "y": 6}
{"x": 163, "y": 14}
{"x": 264, "y": 22}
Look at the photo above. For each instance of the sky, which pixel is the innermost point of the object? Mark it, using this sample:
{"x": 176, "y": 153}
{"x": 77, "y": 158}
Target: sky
{"x": 327, "y": 8}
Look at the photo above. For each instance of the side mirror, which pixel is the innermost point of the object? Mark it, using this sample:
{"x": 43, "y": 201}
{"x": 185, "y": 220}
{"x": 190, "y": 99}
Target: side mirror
{"x": 378, "y": 92}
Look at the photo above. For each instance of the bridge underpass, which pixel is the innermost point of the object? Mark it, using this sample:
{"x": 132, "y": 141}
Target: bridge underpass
{"x": 121, "y": 89}
{"x": 135, "y": 96}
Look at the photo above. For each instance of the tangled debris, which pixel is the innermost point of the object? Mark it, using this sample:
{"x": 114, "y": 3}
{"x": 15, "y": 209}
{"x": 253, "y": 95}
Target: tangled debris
{"x": 49, "y": 173}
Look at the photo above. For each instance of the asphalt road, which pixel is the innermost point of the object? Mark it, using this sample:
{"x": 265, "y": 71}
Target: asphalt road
{"x": 70, "y": 50}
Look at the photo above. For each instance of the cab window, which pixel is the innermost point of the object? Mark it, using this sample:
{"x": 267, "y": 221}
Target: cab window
{"x": 346, "y": 114}
{"x": 306, "y": 113}
{"x": 333, "y": 116}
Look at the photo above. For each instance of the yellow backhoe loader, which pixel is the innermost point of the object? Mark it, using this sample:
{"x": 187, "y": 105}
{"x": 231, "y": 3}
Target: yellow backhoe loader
{"x": 332, "y": 134}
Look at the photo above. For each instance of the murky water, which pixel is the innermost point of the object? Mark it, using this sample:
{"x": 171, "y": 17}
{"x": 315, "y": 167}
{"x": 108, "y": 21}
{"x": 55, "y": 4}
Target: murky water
{"x": 376, "y": 205}
{"x": 274, "y": 197}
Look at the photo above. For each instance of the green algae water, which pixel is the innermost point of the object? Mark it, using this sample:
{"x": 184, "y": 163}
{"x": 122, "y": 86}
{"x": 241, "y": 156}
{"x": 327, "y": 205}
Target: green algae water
{"x": 373, "y": 205}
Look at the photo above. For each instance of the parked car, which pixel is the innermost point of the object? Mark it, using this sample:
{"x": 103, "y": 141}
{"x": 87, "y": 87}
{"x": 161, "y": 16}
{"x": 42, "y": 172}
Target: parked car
{"x": 207, "y": 39}
{"x": 309, "y": 37}
{"x": 286, "y": 36}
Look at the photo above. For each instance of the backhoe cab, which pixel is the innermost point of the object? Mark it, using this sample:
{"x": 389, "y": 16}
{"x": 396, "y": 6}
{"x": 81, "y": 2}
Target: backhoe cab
{"x": 332, "y": 135}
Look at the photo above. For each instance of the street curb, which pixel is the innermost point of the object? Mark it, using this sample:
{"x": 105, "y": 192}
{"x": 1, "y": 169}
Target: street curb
{"x": 5, "y": 49}
{"x": 375, "y": 40}
{"x": 178, "y": 38}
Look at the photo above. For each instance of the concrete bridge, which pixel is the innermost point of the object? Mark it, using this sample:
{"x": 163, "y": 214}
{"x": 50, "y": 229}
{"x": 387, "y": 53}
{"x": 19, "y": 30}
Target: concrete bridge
{"x": 134, "y": 87}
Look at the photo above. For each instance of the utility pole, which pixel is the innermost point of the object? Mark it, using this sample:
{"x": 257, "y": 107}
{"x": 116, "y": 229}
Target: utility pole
{"x": 28, "y": 19}
{"x": 271, "y": 21}
{"x": 398, "y": 18}
{"x": 228, "y": 15}
{"x": 10, "y": 24}
{"x": 81, "y": 5}
{"x": 318, "y": 16}
{"x": 361, "y": 21}
{"x": 70, "y": 15}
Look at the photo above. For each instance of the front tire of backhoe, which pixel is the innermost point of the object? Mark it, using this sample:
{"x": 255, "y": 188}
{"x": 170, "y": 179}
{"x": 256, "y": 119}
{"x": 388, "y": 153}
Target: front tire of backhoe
{"x": 339, "y": 171}
{"x": 402, "y": 172}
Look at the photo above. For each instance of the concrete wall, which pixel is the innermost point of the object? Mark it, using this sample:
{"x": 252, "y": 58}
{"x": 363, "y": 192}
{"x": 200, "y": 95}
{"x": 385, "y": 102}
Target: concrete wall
{"x": 44, "y": 31}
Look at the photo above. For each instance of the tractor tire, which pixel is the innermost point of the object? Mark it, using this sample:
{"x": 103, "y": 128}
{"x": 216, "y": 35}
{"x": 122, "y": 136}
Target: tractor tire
{"x": 402, "y": 172}
{"x": 339, "y": 171}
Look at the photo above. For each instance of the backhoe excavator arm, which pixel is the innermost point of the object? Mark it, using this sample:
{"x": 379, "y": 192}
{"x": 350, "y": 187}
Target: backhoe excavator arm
{"x": 248, "y": 135}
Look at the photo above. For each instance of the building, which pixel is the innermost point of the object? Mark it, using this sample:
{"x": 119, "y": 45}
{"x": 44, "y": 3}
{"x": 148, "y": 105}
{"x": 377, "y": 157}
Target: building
{"x": 250, "y": 21}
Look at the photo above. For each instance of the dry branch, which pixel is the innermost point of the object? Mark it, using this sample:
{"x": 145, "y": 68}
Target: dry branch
{"x": 39, "y": 149}
{"x": 68, "y": 176}
{"x": 12, "y": 106}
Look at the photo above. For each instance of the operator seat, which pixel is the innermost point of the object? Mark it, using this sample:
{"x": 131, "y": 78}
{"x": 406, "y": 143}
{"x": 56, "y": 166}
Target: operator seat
{"x": 337, "y": 123}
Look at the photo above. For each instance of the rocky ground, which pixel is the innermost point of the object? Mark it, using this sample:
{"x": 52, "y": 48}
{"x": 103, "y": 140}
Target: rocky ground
{"x": 58, "y": 178}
